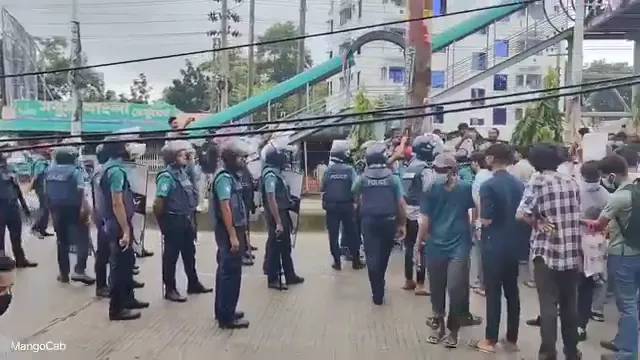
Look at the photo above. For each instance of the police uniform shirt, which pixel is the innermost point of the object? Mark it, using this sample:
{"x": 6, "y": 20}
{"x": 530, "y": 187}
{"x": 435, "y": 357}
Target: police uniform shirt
{"x": 164, "y": 184}
{"x": 115, "y": 175}
{"x": 39, "y": 166}
{"x": 222, "y": 187}
{"x": 271, "y": 180}
{"x": 397, "y": 185}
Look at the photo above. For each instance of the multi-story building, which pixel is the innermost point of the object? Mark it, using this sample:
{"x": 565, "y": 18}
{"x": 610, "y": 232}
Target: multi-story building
{"x": 379, "y": 66}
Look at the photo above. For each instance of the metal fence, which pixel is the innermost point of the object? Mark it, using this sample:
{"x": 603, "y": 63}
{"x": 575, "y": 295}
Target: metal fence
{"x": 19, "y": 55}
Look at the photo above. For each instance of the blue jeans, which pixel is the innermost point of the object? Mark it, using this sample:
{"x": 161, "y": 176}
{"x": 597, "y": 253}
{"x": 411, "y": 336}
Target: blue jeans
{"x": 625, "y": 271}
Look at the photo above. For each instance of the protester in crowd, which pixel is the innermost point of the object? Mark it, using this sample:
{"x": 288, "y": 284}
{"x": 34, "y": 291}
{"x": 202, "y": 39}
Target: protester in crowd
{"x": 482, "y": 174}
{"x": 492, "y": 138}
{"x": 623, "y": 254}
{"x": 522, "y": 169}
{"x": 551, "y": 205}
{"x": 502, "y": 242}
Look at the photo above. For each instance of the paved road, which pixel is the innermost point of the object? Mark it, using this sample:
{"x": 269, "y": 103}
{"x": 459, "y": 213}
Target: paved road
{"x": 328, "y": 317}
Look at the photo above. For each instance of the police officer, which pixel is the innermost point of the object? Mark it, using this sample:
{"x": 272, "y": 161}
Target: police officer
{"x": 416, "y": 178}
{"x": 102, "y": 249}
{"x": 277, "y": 203}
{"x": 10, "y": 219}
{"x": 114, "y": 211}
{"x": 382, "y": 208}
{"x": 174, "y": 208}
{"x": 64, "y": 186}
{"x": 230, "y": 218}
{"x": 338, "y": 202}
{"x": 40, "y": 165}
{"x": 246, "y": 180}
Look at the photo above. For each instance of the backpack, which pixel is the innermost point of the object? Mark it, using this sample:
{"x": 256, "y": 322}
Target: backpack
{"x": 631, "y": 230}
{"x": 412, "y": 185}
{"x": 208, "y": 157}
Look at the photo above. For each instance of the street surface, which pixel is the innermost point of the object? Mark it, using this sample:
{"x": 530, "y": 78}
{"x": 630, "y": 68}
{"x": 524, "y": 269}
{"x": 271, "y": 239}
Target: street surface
{"x": 330, "y": 316}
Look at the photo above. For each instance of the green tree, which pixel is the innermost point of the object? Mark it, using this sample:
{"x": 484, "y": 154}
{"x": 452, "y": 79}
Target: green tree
{"x": 140, "y": 90}
{"x": 361, "y": 133}
{"x": 606, "y": 100}
{"x": 190, "y": 93}
{"x": 543, "y": 120}
{"x": 279, "y": 61}
{"x": 54, "y": 55}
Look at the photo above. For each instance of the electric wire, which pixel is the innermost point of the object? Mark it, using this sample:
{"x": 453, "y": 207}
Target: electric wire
{"x": 315, "y": 126}
{"x": 234, "y": 47}
{"x": 583, "y": 85}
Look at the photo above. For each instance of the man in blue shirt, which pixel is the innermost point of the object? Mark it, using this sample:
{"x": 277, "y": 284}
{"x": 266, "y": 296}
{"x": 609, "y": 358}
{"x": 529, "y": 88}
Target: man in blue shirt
{"x": 444, "y": 224}
{"x": 503, "y": 242}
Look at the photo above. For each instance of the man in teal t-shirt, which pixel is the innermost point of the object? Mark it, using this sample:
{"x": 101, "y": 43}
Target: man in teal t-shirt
{"x": 445, "y": 224}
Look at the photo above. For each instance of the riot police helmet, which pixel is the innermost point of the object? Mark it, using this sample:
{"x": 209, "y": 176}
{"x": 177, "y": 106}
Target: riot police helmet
{"x": 66, "y": 155}
{"x": 426, "y": 147}
{"x": 273, "y": 155}
{"x": 233, "y": 153}
{"x": 339, "y": 151}
{"x": 101, "y": 154}
{"x": 173, "y": 150}
{"x": 376, "y": 154}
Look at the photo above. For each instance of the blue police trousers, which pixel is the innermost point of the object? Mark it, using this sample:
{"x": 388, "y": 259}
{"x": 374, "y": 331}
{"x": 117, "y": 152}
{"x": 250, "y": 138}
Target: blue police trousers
{"x": 69, "y": 231}
{"x": 179, "y": 239}
{"x": 378, "y": 238}
{"x": 10, "y": 220}
{"x": 102, "y": 259}
{"x": 121, "y": 261}
{"x": 278, "y": 250}
{"x": 336, "y": 216}
{"x": 42, "y": 214}
{"x": 228, "y": 275}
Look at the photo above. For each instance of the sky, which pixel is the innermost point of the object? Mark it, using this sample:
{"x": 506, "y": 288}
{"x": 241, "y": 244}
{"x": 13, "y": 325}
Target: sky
{"x": 114, "y": 30}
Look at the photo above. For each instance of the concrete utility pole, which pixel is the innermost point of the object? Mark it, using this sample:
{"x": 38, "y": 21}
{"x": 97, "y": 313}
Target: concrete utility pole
{"x": 301, "y": 53}
{"x": 76, "y": 61}
{"x": 214, "y": 102}
{"x": 224, "y": 42}
{"x": 575, "y": 104}
{"x": 252, "y": 31}
{"x": 418, "y": 71}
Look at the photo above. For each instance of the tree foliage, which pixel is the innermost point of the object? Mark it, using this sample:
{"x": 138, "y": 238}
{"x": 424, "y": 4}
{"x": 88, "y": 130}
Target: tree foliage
{"x": 361, "y": 133}
{"x": 606, "y": 100}
{"x": 543, "y": 120}
{"x": 54, "y": 55}
{"x": 140, "y": 90}
{"x": 279, "y": 61}
{"x": 274, "y": 63}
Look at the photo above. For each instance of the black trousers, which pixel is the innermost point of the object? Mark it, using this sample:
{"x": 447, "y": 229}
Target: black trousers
{"x": 228, "y": 275}
{"x": 585, "y": 298}
{"x": 121, "y": 276}
{"x": 102, "y": 259}
{"x": 179, "y": 240}
{"x": 378, "y": 238}
{"x": 67, "y": 225}
{"x": 335, "y": 217}
{"x": 557, "y": 289}
{"x": 10, "y": 220}
{"x": 409, "y": 244}
{"x": 501, "y": 275}
{"x": 278, "y": 250}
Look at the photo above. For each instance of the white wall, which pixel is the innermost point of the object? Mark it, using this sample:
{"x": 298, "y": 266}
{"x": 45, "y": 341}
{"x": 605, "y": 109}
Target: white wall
{"x": 375, "y": 59}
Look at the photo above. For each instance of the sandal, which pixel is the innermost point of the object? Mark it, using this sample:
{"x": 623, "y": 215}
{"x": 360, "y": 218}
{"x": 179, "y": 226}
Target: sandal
{"x": 470, "y": 320}
{"x": 451, "y": 341}
{"x": 433, "y": 323}
{"x": 436, "y": 337}
{"x": 475, "y": 345}
{"x": 508, "y": 346}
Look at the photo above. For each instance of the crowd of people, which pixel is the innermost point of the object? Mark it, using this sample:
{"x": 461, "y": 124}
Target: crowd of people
{"x": 572, "y": 221}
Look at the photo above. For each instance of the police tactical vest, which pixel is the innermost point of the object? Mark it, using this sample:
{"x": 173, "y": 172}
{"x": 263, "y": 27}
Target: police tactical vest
{"x": 246, "y": 180}
{"x": 191, "y": 173}
{"x": 181, "y": 199}
{"x": 236, "y": 201}
{"x": 7, "y": 184}
{"x": 61, "y": 187}
{"x": 412, "y": 182}
{"x": 378, "y": 196}
{"x": 103, "y": 199}
{"x": 283, "y": 198}
{"x": 338, "y": 185}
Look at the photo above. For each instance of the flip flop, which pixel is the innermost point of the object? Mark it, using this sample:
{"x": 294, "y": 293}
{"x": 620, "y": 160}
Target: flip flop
{"x": 475, "y": 345}
{"x": 435, "y": 337}
{"x": 450, "y": 342}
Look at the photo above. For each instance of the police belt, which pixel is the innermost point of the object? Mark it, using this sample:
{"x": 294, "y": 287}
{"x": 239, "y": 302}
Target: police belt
{"x": 180, "y": 214}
